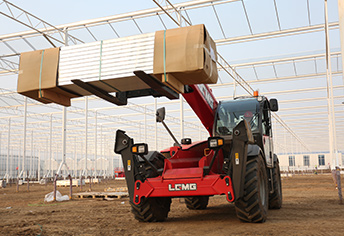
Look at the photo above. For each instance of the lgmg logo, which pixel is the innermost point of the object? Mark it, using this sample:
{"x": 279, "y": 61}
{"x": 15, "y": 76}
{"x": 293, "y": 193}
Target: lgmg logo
{"x": 183, "y": 187}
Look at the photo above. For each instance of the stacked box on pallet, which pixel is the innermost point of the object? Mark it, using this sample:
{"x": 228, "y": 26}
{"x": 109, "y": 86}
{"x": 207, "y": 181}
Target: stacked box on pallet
{"x": 175, "y": 57}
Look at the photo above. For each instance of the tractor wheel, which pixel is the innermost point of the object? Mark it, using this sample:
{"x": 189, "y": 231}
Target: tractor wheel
{"x": 197, "y": 203}
{"x": 275, "y": 198}
{"x": 253, "y": 206}
{"x": 152, "y": 209}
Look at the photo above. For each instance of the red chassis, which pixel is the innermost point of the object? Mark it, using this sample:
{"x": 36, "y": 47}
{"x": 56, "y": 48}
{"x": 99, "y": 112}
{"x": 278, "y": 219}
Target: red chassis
{"x": 183, "y": 175}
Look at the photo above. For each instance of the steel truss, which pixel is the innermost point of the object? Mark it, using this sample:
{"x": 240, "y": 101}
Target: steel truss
{"x": 138, "y": 117}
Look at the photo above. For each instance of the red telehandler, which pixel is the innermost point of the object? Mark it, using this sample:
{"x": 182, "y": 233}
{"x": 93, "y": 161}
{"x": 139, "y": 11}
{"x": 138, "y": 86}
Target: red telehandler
{"x": 237, "y": 161}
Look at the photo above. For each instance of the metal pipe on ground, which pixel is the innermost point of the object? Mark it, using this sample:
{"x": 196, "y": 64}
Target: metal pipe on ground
{"x": 55, "y": 179}
{"x": 81, "y": 183}
{"x": 70, "y": 187}
{"x": 339, "y": 186}
{"x": 17, "y": 190}
{"x": 28, "y": 181}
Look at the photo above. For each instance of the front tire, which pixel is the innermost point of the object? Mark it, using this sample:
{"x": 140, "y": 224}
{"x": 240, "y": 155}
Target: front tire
{"x": 154, "y": 209}
{"x": 253, "y": 206}
{"x": 197, "y": 203}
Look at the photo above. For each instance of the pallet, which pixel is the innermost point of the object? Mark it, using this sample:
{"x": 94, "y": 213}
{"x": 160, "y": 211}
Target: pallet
{"x": 94, "y": 181}
{"x": 104, "y": 195}
{"x": 66, "y": 183}
{"x": 119, "y": 189}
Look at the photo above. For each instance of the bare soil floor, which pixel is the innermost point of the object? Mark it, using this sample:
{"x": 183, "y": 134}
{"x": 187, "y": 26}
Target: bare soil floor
{"x": 310, "y": 207}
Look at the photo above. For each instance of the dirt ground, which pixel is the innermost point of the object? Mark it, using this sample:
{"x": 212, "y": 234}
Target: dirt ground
{"x": 310, "y": 207}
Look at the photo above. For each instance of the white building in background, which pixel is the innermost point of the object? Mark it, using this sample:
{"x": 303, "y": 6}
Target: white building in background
{"x": 304, "y": 161}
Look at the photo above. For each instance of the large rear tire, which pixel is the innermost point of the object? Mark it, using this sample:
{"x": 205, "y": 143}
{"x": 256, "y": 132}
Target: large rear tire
{"x": 253, "y": 206}
{"x": 275, "y": 198}
{"x": 152, "y": 209}
{"x": 197, "y": 203}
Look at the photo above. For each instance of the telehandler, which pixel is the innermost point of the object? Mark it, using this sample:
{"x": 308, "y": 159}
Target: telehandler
{"x": 237, "y": 160}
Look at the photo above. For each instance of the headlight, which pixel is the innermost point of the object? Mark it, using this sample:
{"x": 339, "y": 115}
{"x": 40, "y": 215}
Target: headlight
{"x": 140, "y": 148}
{"x": 215, "y": 142}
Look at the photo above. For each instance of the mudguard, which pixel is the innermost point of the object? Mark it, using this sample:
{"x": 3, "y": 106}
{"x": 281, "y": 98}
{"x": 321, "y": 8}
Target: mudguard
{"x": 253, "y": 150}
{"x": 123, "y": 144}
{"x": 242, "y": 136}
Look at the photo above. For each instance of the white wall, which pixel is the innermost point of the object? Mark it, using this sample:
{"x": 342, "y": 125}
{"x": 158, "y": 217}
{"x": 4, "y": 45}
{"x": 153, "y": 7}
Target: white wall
{"x": 313, "y": 160}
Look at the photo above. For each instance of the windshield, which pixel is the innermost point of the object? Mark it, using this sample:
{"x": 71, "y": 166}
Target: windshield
{"x": 230, "y": 113}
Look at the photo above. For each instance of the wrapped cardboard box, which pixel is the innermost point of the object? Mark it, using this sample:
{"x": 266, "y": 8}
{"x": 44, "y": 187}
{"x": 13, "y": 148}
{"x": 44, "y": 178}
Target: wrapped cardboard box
{"x": 37, "y": 77}
{"x": 188, "y": 53}
{"x": 187, "y": 56}
{"x": 109, "y": 64}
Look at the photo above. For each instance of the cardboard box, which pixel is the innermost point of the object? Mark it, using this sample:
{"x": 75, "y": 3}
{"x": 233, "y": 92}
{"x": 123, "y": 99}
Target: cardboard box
{"x": 37, "y": 77}
{"x": 190, "y": 55}
{"x": 51, "y": 95}
{"x": 173, "y": 83}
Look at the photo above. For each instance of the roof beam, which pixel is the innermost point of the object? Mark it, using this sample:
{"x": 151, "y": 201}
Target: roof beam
{"x": 276, "y": 34}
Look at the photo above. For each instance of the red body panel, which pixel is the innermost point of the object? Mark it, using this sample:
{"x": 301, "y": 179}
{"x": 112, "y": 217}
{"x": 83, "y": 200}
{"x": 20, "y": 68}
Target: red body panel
{"x": 183, "y": 175}
{"x": 205, "y": 186}
{"x": 191, "y": 156}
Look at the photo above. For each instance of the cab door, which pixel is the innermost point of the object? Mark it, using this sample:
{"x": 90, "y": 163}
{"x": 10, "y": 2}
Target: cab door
{"x": 267, "y": 134}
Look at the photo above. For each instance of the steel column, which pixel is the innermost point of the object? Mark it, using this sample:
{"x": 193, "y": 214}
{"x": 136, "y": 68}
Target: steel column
{"x": 341, "y": 28}
{"x": 64, "y": 137}
{"x": 8, "y": 149}
{"x": 64, "y": 121}
{"x": 181, "y": 117}
{"x": 39, "y": 165}
{"x": 50, "y": 145}
{"x": 32, "y": 153}
{"x": 101, "y": 148}
{"x": 95, "y": 143}
{"x": 86, "y": 134}
{"x": 331, "y": 115}
{"x": 75, "y": 160}
{"x": 24, "y": 138}
{"x": 145, "y": 124}
{"x": 155, "y": 124}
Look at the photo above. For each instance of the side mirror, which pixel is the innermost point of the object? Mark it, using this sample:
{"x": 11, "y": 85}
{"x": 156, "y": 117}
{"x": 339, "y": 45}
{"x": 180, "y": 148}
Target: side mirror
{"x": 160, "y": 114}
{"x": 273, "y": 104}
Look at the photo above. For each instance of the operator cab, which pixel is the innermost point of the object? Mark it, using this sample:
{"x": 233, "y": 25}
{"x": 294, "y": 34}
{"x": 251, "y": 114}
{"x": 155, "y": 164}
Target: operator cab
{"x": 255, "y": 110}
{"x": 230, "y": 113}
